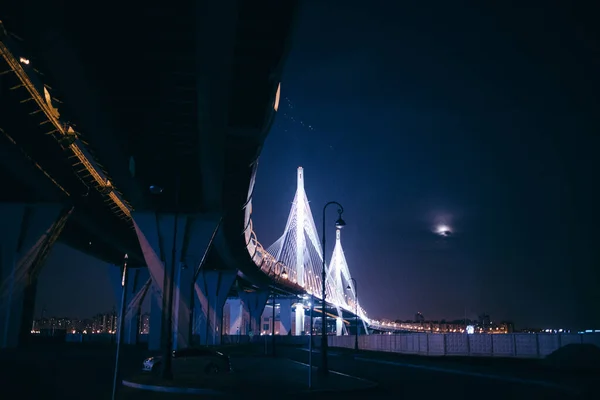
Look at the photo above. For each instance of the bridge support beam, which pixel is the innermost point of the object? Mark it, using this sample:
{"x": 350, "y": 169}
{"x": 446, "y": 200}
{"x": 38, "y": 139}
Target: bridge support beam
{"x": 299, "y": 313}
{"x": 285, "y": 316}
{"x": 135, "y": 292}
{"x": 27, "y": 234}
{"x": 212, "y": 288}
{"x": 174, "y": 245}
{"x": 339, "y": 326}
{"x": 236, "y": 316}
{"x": 255, "y": 303}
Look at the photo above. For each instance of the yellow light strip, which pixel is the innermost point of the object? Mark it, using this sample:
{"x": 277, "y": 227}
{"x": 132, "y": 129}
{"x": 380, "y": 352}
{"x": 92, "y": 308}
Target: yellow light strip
{"x": 53, "y": 118}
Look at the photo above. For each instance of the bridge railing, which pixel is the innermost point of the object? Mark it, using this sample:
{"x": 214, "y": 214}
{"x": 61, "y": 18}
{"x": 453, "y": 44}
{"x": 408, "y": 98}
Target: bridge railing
{"x": 520, "y": 345}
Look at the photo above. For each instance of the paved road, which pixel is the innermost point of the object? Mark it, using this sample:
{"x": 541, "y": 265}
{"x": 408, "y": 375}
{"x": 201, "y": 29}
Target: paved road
{"x": 78, "y": 371}
{"x": 405, "y": 376}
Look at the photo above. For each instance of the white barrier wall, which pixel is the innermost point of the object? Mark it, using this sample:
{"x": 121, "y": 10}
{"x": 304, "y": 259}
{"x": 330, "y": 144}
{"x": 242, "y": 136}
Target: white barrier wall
{"x": 525, "y": 345}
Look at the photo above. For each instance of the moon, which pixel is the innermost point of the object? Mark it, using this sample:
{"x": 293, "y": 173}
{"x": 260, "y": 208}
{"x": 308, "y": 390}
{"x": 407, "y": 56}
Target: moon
{"x": 443, "y": 230}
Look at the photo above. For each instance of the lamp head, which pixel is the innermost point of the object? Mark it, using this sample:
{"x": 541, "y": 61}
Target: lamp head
{"x": 348, "y": 287}
{"x": 284, "y": 274}
{"x": 340, "y": 223}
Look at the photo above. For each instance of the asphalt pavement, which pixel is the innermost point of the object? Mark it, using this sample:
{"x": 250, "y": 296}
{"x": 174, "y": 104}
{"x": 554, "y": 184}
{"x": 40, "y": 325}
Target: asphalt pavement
{"x": 76, "y": 371}
{"x": 425, "y": 377}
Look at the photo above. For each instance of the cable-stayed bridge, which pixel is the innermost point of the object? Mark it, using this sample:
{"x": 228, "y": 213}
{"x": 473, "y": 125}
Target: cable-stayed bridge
{"x": 296, "y": 259}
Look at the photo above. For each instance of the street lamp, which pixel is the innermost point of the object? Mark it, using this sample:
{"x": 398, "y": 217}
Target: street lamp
{"x": 120, "y": 332}
{"x": 340, "y": 223}
{"x": 273, "y": 326}
{"x": 355, "y": 312}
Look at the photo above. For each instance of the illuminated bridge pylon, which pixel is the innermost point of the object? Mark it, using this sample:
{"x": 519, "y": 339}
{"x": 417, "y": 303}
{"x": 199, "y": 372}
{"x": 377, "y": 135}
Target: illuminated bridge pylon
{"x": 341, "y": 280}
{"x": 299, "y": 249}
{"x": 300, "y": 254}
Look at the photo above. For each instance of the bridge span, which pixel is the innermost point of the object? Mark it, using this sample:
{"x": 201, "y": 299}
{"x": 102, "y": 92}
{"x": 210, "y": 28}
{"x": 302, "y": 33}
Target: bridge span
{"x": 122, "y": 131}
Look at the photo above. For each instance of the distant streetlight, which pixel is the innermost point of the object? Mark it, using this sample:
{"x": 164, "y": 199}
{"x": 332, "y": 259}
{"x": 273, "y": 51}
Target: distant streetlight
{"x": 355, "y": 312}
{"x": 340, "y": 223}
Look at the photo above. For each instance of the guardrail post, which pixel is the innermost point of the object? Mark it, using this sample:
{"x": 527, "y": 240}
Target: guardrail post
{"x": 468, "y": 344}
{"x": 444, "y": 344}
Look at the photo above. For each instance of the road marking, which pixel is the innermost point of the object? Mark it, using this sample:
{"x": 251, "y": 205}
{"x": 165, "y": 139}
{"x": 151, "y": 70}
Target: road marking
{"x": 470, "y": 373}
{"x": 337, "y": 373}
{"x": 331, "y": 353}
{"x": 172, "y": 389}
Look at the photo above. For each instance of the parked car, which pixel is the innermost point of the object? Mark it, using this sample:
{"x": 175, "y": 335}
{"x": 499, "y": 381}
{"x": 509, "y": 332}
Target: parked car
{"x": 191, "y": 361}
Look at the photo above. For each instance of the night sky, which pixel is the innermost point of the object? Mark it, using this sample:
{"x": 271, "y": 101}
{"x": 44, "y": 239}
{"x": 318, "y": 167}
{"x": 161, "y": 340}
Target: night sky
{"x": 480, "y": 118}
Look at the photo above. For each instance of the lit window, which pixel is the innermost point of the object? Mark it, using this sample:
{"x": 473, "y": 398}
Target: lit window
{"x": 277, "y": 95}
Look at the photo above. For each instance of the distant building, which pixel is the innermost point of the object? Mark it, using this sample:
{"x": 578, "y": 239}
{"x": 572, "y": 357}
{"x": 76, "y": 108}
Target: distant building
{"x": 507, "y": 326}
{"x": 145, "y": 324}
{"x": 419, "y": 318}
{"x": 484, "y": 321}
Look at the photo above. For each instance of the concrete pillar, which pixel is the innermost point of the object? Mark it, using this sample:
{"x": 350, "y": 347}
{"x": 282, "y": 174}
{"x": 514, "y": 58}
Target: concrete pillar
{"x": 299, "y": 310}
{"x": 285, "y": 316}
{"x": 339, "y": 326}
{"x": 182, "y": 306}
{"x": 255, "y": 303}
{"x": 156, "y": 319}
{"x": 188, "y": 237}
{"x": 212, "y": 289}
{"x": 236, "y": 313}
{"x": 27, "y": 233}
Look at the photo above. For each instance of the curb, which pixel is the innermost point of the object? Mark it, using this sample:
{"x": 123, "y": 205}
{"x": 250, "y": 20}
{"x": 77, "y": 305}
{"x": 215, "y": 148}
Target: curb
{"x": 172, "y": 389}
{"x": 371, "y": 384}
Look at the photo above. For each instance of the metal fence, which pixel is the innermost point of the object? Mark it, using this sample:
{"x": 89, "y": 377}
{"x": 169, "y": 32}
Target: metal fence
{"x": 523, "y": 345}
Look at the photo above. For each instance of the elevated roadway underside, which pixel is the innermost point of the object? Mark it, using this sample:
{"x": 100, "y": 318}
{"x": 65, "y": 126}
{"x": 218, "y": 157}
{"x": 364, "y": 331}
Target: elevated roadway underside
{"x": 179, "y": 95}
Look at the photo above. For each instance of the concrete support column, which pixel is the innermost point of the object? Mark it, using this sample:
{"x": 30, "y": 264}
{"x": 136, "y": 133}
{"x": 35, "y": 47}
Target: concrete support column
{"x": 182, "y": 303}
{"x": 212, "y": 289}
{"x": 285, "y": 316}
{"x": 156, "y": 319}
{"x": 339, "y": 326}
{"x": 175, "y": 244}
{"x": 255, "y": 303}
{"x": 299, "y": 310}
{"x": 27, "y": 234}
{"x": 236, "y": 313}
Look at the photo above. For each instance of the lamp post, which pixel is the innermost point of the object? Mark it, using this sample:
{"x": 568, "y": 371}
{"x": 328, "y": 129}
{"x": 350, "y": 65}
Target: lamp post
{"x": 340, "y": 223}
{"x": 310, "y": 343}
{"x": 120, "y": 332}
{"x": 355, "y": 312}
{"x": 273, "y": 327}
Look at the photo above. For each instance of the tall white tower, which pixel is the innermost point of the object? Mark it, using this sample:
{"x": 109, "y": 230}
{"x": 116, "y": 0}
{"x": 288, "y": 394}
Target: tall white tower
{"x": 300, "y": 222}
